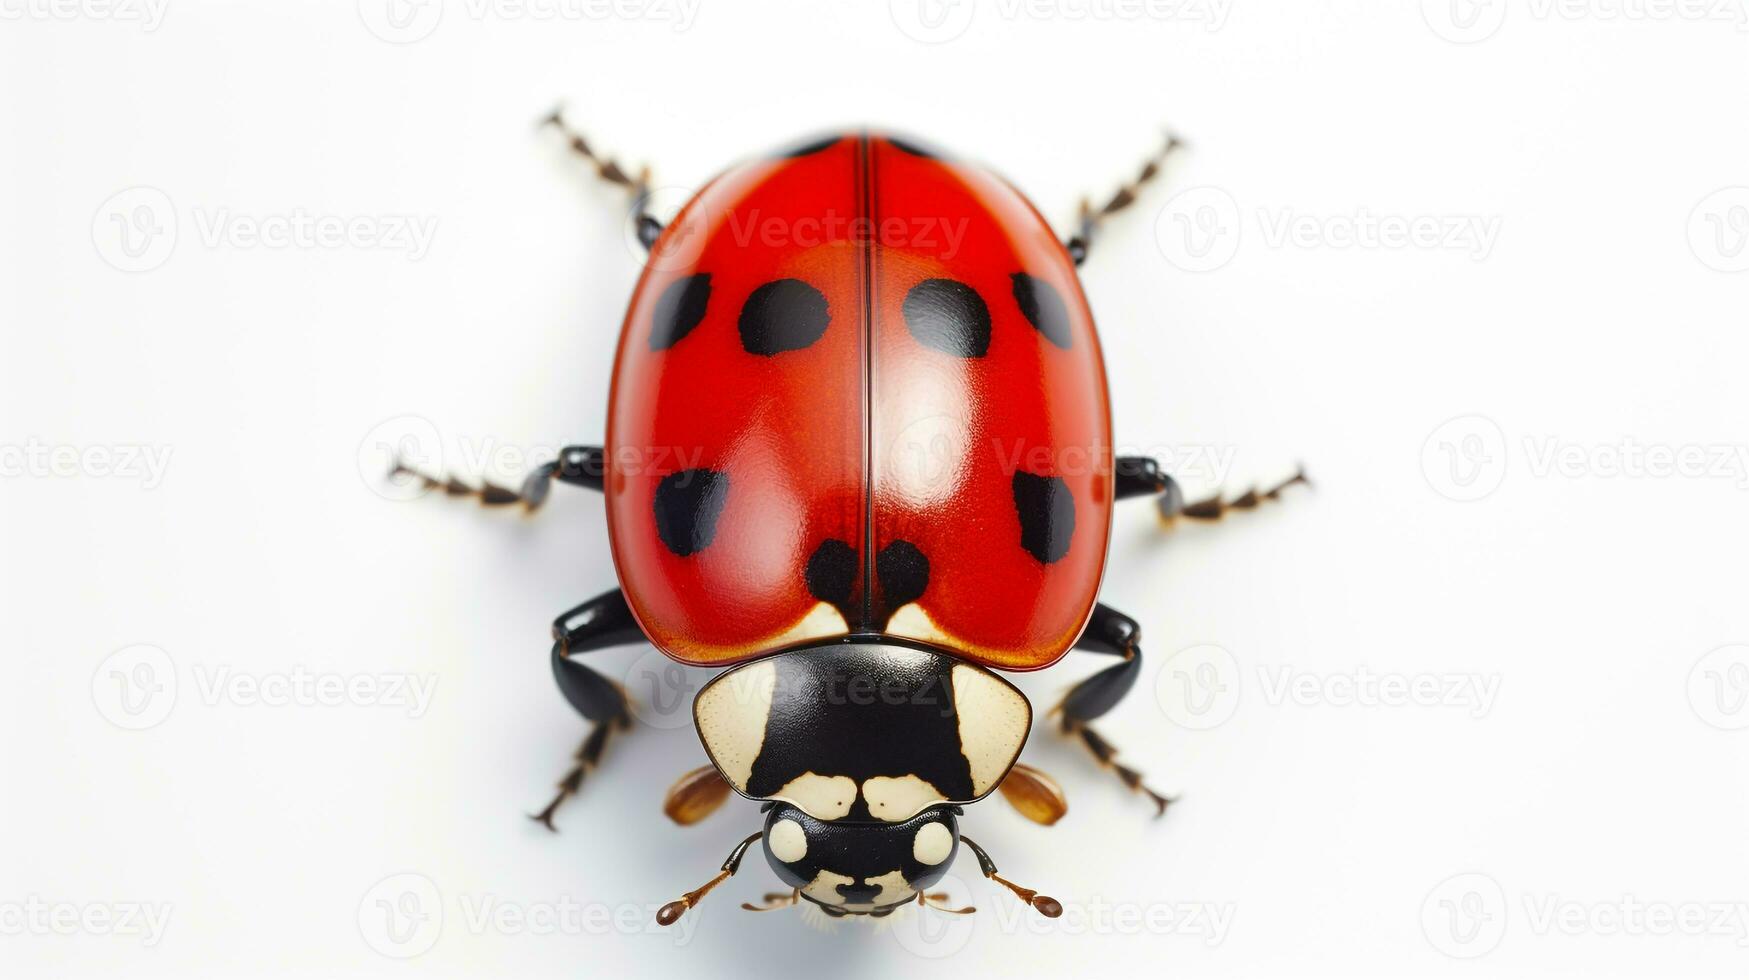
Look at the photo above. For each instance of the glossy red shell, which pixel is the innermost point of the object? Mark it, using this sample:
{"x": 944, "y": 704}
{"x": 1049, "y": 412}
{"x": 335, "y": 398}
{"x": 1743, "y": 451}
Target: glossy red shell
{"x": 867, "y": 435}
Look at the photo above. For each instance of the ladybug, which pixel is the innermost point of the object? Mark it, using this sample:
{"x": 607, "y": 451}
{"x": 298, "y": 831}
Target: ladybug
{"x": 858, "y": 456}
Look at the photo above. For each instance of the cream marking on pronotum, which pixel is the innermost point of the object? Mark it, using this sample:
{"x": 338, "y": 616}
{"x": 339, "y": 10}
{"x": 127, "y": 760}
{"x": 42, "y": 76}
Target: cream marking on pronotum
{"x": 1003, "y": 720}
{"x": 731, "y": 714}
{"x": 825, "y": 797}
{"x": 898, "y": 798}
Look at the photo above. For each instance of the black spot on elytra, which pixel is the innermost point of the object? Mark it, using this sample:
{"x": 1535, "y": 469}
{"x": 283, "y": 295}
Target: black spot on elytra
{"x": 1047, "y": 515}
{"x": 679, "y": 309}
{"x": 831, "y": 571}
{"x": 949, "y": 316}
{"x": 812, "y": 146}
{"x": 915, "y": 149}
{"x": 783, "y": 315}
{"x": 687, "y": 505}
{"x": 903, "y": 572}
{"x": 1043, "y": 307}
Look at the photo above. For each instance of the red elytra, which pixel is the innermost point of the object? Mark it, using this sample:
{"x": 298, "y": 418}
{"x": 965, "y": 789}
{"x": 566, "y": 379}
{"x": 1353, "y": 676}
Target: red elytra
{"x": 858, "y": 391}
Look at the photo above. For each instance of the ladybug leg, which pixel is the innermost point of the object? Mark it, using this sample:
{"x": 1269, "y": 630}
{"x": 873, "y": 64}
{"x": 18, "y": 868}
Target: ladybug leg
{"x": 1108, "y": 632}
{"x": 1140, "y": 476}
{"x": 609, "y": 170}
{"x": 603, "y": 621}
{"x": 582, "y": 466}
{"x": 1091, "y": 218}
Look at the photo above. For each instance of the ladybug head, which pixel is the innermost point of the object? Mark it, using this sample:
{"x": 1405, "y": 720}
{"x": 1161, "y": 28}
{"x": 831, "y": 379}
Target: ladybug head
{"x": 860, "y": 867}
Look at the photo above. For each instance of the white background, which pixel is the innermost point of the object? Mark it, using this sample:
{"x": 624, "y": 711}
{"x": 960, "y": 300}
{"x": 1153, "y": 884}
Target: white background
{"x": 1591, "y": 808}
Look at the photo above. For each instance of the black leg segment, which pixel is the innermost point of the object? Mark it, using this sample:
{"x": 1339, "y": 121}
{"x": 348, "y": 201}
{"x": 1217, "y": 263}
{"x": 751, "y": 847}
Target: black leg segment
{"x": 1109, "y": 632}
{"x": 580, "y": 466}
{"x": 603, "y": 621}
{"x": 1141, "y": 476}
